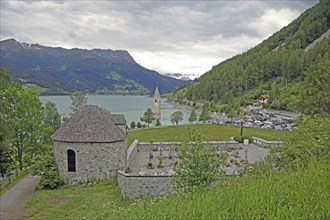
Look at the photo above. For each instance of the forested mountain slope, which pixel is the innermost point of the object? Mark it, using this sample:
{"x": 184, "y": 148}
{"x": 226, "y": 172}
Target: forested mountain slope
{"x": 60, "y": 70}
{"x": 279, "y": 66}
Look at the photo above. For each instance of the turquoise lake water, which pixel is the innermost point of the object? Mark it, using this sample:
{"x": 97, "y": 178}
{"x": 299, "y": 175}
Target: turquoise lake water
{"x": 132, "y": 107}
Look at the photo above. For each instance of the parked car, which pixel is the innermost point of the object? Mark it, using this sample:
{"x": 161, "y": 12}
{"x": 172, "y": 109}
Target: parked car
{"x": 275, "y": 122}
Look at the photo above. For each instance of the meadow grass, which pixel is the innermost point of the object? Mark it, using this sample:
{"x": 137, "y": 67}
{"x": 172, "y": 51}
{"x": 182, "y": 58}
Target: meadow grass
{"x": 210, "y": 132}
{"x": 302, "y": 194}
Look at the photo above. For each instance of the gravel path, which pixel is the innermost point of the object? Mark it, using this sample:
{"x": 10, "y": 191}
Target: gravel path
{"x": 13, "y": 201}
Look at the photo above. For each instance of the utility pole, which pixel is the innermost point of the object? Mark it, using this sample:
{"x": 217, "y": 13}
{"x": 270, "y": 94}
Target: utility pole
{"x": 241, "y": 128}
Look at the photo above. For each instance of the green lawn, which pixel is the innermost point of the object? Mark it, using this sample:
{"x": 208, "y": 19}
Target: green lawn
{"x": 209, "y": 131}
{"x": 303, "y": 194}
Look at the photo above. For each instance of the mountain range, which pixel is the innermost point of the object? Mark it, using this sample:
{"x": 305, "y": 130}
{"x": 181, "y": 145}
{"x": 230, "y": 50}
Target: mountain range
{"x": 182, "y": 76}
{"x": 55, "y": 70}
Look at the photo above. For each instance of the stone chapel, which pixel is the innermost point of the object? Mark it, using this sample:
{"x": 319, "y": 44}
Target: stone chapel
{"x": 90, "y": 144}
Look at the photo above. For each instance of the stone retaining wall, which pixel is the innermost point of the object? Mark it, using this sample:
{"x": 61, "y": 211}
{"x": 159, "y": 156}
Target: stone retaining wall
{"x": 145, "y": 146}
{"x": 136, "y": 184}
{"x": 265, "y": 143}
{"x": 133, "y": 186}
{"x": 131, "y": 152}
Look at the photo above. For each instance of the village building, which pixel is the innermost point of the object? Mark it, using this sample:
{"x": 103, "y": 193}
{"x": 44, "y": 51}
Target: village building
{"x": 262, "y": 99}
{"x": 90, "y": 144}
{"x": 157, "y": 102}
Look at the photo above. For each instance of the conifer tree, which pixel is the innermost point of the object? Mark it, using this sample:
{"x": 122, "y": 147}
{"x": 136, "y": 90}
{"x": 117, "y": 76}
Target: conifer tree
{"x": 204, "y": 116}
{"x": 193, "y": 116}
{"x": 315, "y": 97}
{"x": 148, "y": 116}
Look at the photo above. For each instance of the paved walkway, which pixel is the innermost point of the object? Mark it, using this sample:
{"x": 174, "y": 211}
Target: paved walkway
{"x": 13, "y": 201}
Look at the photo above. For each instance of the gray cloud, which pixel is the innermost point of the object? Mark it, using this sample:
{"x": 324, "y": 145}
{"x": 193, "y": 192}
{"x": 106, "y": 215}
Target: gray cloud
{"x": 168, "y": 36}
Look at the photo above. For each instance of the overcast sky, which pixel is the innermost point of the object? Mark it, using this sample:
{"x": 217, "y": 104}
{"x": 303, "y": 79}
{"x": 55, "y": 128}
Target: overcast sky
{"x": 167, "y": 36}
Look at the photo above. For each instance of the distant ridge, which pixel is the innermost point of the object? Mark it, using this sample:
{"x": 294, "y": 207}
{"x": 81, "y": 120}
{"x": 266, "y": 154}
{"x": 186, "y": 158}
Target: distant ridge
{"x": 182, "y": 76}
{"x": 279, "y": 66}
{"x": 61, "y": 71}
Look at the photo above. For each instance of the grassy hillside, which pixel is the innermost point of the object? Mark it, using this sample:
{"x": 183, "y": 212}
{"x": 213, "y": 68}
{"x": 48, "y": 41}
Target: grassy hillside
{"x": 279, "y": 66}
{"x": 209, "y": 131}
{"x": 300, "y": 195}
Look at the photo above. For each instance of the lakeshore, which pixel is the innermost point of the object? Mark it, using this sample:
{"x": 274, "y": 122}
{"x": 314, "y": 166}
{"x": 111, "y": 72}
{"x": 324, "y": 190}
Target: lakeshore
{"x": 132, "y": 107}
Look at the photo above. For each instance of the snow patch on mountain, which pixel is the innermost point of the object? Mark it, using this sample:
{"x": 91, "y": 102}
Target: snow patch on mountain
{"x": 182, "y": 76}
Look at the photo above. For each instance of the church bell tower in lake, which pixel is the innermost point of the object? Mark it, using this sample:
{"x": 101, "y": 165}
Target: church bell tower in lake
{"x": 156, "y": 108}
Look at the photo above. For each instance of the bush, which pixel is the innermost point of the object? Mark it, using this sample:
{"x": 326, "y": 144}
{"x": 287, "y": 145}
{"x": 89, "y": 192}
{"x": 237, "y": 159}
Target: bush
{"x": 46, "y": 166}
{"x": 51, "y": 178}
{"x": 240, "y": 139}
{"x": 265, "y": 105}
{"x": 150, "y": 165}
{"x": 133, "y": 124}
{"x": 138, "y": 125}
{"x": 310, "y": 140}
{"x": 201, "y": 165}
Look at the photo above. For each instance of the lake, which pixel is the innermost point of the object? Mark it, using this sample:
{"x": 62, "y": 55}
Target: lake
{"x": 132, "y": 107}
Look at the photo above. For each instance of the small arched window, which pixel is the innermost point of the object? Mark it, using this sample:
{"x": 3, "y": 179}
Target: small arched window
{"x": 156, "y": 100}
{"x": 71, "y": 161}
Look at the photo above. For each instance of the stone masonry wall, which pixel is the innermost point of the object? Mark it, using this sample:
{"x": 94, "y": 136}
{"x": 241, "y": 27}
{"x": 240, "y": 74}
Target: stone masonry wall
{"x": 131, "y": 152}
{"x": 221, "y": 144}
{"x": 265, "y": 143}
{"x": 134, "y": 186}
{"x": 93, "y": 160}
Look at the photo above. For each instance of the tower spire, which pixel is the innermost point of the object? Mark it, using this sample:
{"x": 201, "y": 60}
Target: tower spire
{"x": 157, "y": 100}
{"x": 156, "y": 93}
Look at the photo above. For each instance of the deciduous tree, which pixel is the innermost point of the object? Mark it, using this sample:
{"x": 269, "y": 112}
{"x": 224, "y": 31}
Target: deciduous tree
{"x": 78, "y": 99}
{"x": 52, "y": 119}
{"x": 176, "y": 117}
{"x": 23, "y": 115}
{"x": 148, "y": 116}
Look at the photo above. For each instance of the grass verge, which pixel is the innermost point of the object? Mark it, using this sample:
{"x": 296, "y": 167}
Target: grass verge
{"x": 303, "y": 194}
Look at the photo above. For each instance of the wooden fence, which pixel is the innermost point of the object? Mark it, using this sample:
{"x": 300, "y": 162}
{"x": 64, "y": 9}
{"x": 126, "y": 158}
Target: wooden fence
{"x": 11, "y": 177}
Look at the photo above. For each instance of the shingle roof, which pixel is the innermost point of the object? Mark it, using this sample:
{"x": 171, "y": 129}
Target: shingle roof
{"x": 156, "y": 94}
{"x": 89, "y": 124}
{"x": 118, "y": 119}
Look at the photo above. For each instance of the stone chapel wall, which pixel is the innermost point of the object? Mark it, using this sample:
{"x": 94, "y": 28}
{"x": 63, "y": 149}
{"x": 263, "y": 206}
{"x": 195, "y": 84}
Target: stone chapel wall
{"x": 93, "y": 160}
